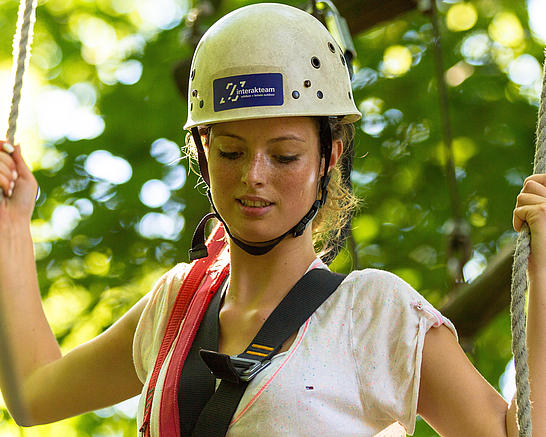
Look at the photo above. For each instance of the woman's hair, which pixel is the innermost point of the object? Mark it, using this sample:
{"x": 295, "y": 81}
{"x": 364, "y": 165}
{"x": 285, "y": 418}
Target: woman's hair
{"x": 332, "y": 218}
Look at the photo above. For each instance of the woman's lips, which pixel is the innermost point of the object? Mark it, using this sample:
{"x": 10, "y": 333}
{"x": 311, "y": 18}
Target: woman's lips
{"x": 254, "y": 207}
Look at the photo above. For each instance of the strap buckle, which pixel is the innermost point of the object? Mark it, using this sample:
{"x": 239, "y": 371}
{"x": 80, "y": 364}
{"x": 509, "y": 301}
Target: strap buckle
{"x": 232, "y": 368}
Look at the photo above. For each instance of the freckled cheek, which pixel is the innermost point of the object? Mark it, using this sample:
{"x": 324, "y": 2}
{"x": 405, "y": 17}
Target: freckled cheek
{"x": 222, "y": 181}
{"x": 301, "y": 187}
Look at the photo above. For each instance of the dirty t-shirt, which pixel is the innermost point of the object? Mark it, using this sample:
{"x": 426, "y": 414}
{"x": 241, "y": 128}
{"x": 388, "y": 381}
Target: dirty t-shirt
{"x": 353, "y": 369}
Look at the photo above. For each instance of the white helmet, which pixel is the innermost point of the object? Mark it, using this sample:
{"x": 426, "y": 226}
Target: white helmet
{"x": 268, "y": 60}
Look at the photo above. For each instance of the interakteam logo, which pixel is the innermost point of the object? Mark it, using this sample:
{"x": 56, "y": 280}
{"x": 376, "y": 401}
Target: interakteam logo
{"x": 264, "y": 89}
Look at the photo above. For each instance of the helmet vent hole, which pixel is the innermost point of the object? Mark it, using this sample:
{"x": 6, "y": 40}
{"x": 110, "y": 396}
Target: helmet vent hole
{"x": 191, "y": 106}
{"x": 296, "y": 94}
{"x": 342, "y": 59}
{"x": 201, "y": 103}
{"x": 315, "y": 62}
{"x": 307, "y": 83}
{"x": 192, "y": 75}
{"x": 331, "y": 47}
{"x": 349, "y": 94}
{"x": 194, "y": 93}
{"x": 319, "y": 94}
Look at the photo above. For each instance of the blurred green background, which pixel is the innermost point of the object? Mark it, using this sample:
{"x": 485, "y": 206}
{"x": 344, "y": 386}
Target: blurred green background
{"x": 101, "y": 125}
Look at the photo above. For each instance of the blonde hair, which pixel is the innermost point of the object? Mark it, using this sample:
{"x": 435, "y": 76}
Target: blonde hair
{"x": 333, "y": 217}
{"x": 331, "y": 220}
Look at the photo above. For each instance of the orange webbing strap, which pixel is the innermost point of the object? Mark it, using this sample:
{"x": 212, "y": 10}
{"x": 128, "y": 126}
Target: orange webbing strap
{"x": 215, "y": 243}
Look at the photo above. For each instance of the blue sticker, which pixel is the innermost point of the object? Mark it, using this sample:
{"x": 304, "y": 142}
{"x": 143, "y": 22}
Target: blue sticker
{"x": 264, "y": 89}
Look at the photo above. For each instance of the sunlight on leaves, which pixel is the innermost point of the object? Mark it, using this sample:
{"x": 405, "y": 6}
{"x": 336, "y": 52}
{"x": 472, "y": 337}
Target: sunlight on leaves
{"x": 505, "y": 28}
{"x": 97, "y": 263}
{"x": 397, "y": 61}
{"x": 461, "y": 16}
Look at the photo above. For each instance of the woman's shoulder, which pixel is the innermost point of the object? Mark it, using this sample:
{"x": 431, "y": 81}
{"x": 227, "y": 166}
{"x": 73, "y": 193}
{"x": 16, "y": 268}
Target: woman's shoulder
{"x": 388, "y": 295}
{"x": 372, "y": 282}
{"x": 165, "y": 288}
{"x": 154, "y": 317}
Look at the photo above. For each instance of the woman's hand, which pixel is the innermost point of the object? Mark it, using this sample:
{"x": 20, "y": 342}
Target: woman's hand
{"x": 531, "y": 208}
{"x": 17, "y": 183}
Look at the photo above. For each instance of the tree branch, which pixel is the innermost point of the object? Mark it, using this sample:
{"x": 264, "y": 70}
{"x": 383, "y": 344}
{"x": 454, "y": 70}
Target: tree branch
{"x": 364, "y": 14}
{"x": 475, "y": 305}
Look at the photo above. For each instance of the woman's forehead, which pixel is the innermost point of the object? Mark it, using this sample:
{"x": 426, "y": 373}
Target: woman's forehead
{"x": 305, "y": 128}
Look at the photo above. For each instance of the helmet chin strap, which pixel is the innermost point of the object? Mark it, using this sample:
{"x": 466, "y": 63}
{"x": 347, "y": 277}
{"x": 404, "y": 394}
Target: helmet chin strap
{"x": 199, "y": 249}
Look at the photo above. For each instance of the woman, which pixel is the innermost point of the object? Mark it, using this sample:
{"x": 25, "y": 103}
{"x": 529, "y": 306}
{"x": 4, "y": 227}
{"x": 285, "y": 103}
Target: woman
{"x": 268, "y": 115}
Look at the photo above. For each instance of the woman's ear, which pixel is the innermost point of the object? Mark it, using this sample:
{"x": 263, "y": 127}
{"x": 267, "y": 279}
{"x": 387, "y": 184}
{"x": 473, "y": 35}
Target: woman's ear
{"x": 337, "y": 150}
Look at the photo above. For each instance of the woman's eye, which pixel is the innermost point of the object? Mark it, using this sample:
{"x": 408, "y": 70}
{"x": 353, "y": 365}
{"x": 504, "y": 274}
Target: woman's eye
{"x": 285, "y": 159}
{"x": 229, "y": 155}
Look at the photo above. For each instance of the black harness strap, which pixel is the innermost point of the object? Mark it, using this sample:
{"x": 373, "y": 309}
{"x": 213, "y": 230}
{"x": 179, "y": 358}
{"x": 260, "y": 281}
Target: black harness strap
{"x": 197, "y": 384}
{"x": 236, "y": 371}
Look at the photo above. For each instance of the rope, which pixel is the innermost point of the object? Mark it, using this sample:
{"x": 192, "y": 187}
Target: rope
{"x": 25, "y": 25}
{"x": 519, "y": 285}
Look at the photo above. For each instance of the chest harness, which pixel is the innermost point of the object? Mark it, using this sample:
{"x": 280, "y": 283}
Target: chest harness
{"x": 190, "y": 406}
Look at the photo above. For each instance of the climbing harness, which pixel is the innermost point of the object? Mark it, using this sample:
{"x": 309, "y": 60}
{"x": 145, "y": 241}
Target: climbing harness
{"x": 237, "y": 371}
{"x": 196, "y": 309}
{"x": 204, "y": 277}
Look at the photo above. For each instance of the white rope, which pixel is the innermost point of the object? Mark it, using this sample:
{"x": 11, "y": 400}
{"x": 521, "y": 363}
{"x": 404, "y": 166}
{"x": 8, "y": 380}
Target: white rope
{"x": 21, "y": 55}
{"x": 25, "y": 24}
{"x": 519, "y": 285}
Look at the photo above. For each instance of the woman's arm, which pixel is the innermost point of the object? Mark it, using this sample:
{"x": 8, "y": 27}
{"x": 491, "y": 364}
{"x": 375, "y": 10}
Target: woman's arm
{"x": 94, "y": 375}
{"x": 38, "y": 384}
{"x": 453, "y": 397}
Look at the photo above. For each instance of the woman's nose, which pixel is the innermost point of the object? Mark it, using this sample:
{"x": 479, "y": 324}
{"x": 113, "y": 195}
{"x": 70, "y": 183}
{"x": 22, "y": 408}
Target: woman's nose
{"x": 254, "y": 170}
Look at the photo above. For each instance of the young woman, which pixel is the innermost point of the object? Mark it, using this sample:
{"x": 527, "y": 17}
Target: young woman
{"x": 270, "y": 115}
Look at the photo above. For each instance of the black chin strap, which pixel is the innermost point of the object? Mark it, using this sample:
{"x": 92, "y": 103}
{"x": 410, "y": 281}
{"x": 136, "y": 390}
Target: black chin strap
{"x": 199, "y": 249}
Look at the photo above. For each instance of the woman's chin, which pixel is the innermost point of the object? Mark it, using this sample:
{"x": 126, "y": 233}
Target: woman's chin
{"x": 256, "y": 236}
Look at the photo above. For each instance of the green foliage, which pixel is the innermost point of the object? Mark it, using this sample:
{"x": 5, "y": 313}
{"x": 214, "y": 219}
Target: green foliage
{"x": 103, "y": 264}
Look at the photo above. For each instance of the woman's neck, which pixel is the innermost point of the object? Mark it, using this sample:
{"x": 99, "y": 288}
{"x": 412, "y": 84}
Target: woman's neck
{"x": 262, "y": 281}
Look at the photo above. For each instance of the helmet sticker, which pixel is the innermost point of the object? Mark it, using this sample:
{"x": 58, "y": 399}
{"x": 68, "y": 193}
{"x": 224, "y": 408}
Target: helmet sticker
{"x": 264, "y": 89}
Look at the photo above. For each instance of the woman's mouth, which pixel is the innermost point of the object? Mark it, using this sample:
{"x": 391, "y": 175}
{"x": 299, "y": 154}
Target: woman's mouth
{"x": 254, "y": 203}
{"x": 255, "y": 207}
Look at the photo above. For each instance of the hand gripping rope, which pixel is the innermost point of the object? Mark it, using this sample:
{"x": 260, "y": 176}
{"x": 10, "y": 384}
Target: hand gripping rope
{"x": 519, "y": 284}
{"x": 25, "y": 25}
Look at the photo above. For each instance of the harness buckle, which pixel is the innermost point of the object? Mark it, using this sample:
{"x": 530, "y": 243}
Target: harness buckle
{"x": 233, "y": 369}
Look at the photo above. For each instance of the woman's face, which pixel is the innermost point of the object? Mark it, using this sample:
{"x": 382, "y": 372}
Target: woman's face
{"x": 264, "y": 174}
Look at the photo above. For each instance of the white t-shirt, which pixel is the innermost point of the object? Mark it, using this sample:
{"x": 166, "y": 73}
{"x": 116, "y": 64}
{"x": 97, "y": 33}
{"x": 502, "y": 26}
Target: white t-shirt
{"x": 353, "y": 369}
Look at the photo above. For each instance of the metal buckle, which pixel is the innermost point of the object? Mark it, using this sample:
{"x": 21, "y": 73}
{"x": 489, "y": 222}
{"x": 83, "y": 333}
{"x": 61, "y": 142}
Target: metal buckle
{"x": 232, "y": 368}
{"x": 247, "y": 368}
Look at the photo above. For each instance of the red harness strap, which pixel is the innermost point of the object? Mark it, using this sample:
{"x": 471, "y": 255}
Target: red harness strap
{"x": 198, "y": 287}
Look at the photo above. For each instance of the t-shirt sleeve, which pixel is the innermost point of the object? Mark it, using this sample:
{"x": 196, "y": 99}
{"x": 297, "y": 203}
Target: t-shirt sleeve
{"x": 154, "y": 318}
{"x": 389, "y": 322}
